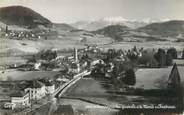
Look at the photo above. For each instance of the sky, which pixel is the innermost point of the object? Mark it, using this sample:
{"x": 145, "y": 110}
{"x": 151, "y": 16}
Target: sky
{"x": 68, "y": 11}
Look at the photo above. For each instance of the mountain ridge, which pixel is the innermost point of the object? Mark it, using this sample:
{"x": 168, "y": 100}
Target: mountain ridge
{"x": 171, "y": 28}
{"x": 101, "y": 23}
{"x": 23, "y": 17}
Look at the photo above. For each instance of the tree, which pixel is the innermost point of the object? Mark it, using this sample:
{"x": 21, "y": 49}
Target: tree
{"x": 119, "y": 52}
{"x": 160, "y": 56}
{"x": 135, "y": 49}
{"x": 169, "y": 59}
{"x": 182, "y": 54}
{"x": 130, "y": 78}
{"x": 32, "y": 60}
{"x": 173, "y": 52}
{"x": 111, "y": 53}
{"x": 48, "y": 55}
{"x": 6, "y": 29}
{"x": 148, "y": 59}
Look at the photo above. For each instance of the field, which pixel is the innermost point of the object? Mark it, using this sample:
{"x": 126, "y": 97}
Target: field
{"x": 94, "y": 91}
{"x": 25, "y": 75}
{"x": 12, "y": 60}
{"x": 11, "y": 51}
{"x": 152, "y": 78}
{"x": 18, "y": 47}
{"x": 146, "y": 45}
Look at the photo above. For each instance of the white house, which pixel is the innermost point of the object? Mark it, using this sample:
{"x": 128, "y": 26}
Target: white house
{"x": 20, "y": 99}
{"x": 49, "y": 88}
{"x": 97, "y": 61}
{"x": 36, "y": 89}
{"x": 37, "y": 66}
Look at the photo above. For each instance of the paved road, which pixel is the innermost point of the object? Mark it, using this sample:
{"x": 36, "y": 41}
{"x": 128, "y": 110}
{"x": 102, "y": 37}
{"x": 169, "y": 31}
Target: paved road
{"x": 65, "y": 87}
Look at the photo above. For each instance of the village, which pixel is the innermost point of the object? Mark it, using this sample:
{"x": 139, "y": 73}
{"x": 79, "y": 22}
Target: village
{"x": 26, "y": 34}
{"x": 158, "y": 69}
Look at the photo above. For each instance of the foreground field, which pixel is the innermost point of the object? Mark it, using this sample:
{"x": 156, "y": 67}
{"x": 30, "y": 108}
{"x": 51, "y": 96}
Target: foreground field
{"x": 94, "y": 91}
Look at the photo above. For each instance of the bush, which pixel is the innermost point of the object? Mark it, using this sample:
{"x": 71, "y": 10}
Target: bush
{"x": 169, "y": 59}
{"x": 160, "y": 56}
{"x": 182, "y": 54}
{"x": 148, "y": 60}
{"x": 46, "y": 55}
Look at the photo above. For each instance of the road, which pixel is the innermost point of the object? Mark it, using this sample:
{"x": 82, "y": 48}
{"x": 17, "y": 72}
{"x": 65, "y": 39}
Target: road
{"x": 65, "y": 86}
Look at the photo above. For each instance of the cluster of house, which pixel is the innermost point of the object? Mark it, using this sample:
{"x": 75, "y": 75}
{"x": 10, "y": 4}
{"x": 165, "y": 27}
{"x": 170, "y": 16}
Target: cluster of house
{"x": 26, "y": 91}
{"x": 19, "y": 35}
{"x": 22, "y": 34}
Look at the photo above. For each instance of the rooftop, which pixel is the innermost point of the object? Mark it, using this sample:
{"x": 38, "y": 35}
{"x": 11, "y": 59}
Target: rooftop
{"x": 35, "y": 84}
{"x": 46, "y": 82}
{"x": 17, "y": 94}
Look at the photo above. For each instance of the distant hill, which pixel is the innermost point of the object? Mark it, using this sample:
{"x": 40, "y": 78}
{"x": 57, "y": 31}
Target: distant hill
{"x": 23, "y": 17}
{"x": 173, "y": 28}
{"x": 124, "y": 33}
{"x": 113, "y": 31}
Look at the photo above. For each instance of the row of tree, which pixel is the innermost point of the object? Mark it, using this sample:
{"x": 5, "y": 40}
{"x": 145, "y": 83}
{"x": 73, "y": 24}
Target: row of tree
{"x": 165, "y": 58}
